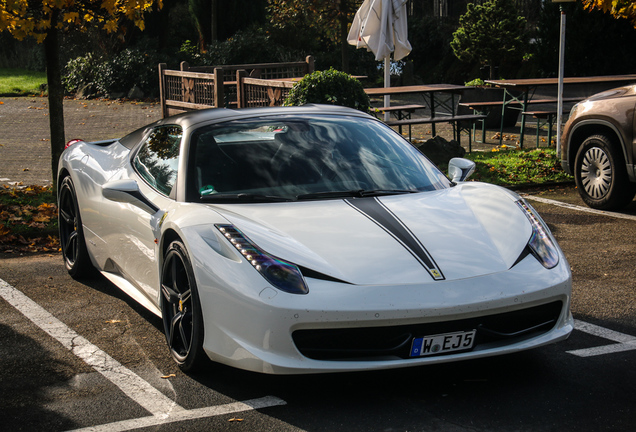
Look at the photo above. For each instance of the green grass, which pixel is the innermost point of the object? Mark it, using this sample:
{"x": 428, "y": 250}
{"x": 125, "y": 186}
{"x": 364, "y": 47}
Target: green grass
{"x": 518, "y": 167}
{"x": 20, "y": 82}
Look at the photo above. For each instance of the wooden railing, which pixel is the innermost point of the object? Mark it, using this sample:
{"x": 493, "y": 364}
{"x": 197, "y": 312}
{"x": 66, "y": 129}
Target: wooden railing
{"x": 247, "y": 85}
{"x": 186, "y": 91}
{"x": 256, "y": 92}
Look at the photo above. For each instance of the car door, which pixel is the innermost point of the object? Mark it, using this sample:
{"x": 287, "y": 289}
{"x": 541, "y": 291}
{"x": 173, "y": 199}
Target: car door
{"x": 131, "y": 239}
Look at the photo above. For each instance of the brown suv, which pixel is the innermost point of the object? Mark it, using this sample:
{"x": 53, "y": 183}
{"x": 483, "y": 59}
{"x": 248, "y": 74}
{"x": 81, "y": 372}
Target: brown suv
{"x": 599, "y": 149}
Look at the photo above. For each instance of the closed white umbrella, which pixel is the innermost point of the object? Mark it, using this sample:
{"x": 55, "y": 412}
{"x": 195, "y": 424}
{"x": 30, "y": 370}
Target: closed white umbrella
{"x": 380, "y": 26}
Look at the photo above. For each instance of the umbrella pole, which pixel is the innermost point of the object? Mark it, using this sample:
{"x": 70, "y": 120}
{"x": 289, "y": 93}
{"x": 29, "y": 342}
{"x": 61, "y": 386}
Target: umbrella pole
{"x": 387, "y": 84}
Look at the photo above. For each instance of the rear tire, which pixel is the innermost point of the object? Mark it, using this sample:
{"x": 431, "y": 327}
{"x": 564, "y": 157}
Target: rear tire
{"x": 601, "y": 175}
{"x": 76, "y": 259}
{"x": 181, "y": 309}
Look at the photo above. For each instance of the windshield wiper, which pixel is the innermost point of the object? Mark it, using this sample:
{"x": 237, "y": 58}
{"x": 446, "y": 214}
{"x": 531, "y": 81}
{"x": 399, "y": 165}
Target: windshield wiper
{"x": 243, "y": 197}
{"x": 380, "y": 192}
{"x": 354, "y": 193}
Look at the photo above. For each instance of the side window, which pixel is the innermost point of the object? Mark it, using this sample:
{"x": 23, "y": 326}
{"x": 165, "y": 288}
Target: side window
{"x": 158, "y": 158}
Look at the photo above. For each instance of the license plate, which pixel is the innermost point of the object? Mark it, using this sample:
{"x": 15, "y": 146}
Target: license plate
{"x": 442, "y": 343}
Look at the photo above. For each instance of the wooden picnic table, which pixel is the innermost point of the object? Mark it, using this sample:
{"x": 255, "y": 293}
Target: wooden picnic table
{"x": 526, "y": 87}
{"x": 420, "y": 89}
{"x": 427, "y": 91}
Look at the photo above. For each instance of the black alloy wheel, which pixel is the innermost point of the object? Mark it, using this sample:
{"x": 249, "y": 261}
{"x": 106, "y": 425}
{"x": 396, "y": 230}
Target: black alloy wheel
{"x": 76, "y": 259}
{"x": 601, "y": 176}
{"x": 181, "y": 309}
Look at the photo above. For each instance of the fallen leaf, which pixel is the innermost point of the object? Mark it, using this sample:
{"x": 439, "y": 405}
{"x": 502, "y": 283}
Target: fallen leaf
{"x": 168, "y": 376}
{"x": 235, "y": 420}
{"x": 42, "y": 218}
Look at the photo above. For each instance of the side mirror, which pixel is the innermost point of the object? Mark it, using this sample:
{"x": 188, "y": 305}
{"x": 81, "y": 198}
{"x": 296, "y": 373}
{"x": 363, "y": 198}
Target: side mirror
{"x": 459, "y": 169}
{"x": 127, "y": 191}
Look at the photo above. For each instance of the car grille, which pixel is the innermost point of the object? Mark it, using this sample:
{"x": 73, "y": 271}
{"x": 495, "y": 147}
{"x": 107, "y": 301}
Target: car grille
{"x": 372, "y": 343}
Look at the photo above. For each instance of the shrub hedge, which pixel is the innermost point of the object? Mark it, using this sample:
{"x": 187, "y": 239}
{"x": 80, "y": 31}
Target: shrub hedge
{"x": 329, "y": 87}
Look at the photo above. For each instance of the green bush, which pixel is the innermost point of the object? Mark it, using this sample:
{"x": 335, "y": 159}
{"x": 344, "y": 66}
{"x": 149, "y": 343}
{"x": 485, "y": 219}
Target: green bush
{"x": 477, "y": 82}
{"x": 244, "y": 47}
{"x": 253, "y": 45}
{"x": 329, "y": 87}
{"x": 128, "y": 68}
{"x": 80, "y": 71}
{"x": 109, "y": 76}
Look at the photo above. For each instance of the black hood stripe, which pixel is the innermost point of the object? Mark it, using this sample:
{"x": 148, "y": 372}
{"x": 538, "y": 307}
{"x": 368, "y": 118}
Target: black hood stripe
{"x": 373, "y": 209}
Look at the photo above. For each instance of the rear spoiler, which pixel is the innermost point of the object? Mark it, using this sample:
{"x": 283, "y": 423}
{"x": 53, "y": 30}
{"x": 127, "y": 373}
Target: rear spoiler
{"x": 102, "y": 143}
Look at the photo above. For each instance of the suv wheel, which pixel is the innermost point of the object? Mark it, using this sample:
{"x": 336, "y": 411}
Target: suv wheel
{"x": 601, "y": 176}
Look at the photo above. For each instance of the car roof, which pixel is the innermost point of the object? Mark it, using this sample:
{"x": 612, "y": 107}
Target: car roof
{"x": 214, "y": 115}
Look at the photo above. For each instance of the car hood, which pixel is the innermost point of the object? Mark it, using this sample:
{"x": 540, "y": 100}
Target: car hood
{"x": 614, "y": 93}
{"x": 468, "y": 230}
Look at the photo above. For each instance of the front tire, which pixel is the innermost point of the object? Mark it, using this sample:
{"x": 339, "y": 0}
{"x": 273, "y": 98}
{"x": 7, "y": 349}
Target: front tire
{"x": 181, "y": 309}
{"x": 600, "y": 174}
{"x": 76, "y": 259}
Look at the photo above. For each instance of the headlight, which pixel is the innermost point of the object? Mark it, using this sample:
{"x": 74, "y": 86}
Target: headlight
{"x": 283, "y": 275}
{"x": 540, "y": 243}
{"x": 574, "y": 109}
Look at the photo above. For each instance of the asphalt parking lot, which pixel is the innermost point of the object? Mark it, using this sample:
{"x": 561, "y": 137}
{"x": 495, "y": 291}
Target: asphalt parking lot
{"x": 83, "y": 356}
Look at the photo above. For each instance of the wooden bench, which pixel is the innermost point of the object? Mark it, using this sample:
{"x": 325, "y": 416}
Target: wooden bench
{"x": 493, "y": 104}
{"x": 456, "y": 121}
{"x": 400, "y": 109}
{"x": 484, "y": 107}
{"x": 401, "y": 112}
{"x": 545, "y": 117}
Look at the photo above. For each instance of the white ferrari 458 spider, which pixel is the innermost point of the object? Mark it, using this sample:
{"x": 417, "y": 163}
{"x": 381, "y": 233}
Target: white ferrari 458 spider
{"x": 309, "y": 239}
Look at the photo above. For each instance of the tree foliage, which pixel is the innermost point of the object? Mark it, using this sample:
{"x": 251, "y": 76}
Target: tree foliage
{"x": 23, "y": 18}
{"x": 491, "y": 34}
{"x": 325, "y": 15}
{"x": 591, "y": 38}
{"x": 618, "y": 8}
{"x": 330, "y": 18}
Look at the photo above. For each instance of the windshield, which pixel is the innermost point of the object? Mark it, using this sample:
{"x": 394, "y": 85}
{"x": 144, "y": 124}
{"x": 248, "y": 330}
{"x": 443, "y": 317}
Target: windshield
{"x": 305, "y": 157}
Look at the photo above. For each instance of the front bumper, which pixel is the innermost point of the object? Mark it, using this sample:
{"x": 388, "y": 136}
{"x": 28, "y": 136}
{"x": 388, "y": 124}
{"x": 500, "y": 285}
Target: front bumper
{"x": 259, "y": 330}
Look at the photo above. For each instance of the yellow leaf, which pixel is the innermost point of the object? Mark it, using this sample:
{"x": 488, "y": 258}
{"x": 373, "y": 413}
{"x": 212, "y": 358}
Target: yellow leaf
{"x": 71, "y": 16}
{"x": 41, "y": 218}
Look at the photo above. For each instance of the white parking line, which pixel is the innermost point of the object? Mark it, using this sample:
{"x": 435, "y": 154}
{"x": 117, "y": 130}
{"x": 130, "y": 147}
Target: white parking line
{"x": 579, "y": 208}
{"x": 130, "y": 383}
{"x": 143, "y": 422}
{"x": 625, "y": 342}
{"x": 163, "y": 409}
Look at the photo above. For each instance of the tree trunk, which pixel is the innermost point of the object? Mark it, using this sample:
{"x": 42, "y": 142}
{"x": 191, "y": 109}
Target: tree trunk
{"x": 56, "y": 96}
